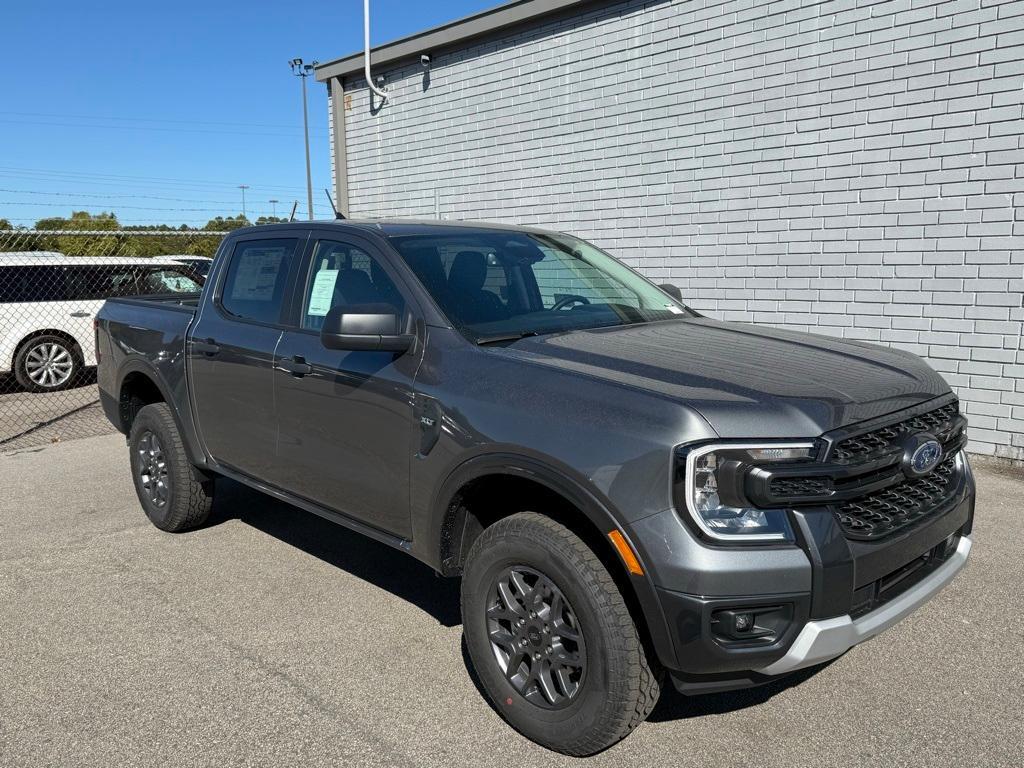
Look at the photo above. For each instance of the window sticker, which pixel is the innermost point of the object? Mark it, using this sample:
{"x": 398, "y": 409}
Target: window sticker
{"x": 322, "y": 295}
{"x": 256, "y": 276}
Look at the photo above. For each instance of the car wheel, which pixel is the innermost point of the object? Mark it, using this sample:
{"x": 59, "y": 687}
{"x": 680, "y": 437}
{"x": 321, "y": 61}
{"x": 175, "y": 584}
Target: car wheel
{"x": 174, "y": 495}
{"x": 47, "y": 363}
{"x": 552, "y": 639}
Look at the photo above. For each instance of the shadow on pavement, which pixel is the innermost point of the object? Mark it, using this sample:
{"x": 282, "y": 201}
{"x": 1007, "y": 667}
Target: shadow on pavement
{"x": 675, "y": 706}
{"x": 379, "y": 564}
{"x": 410, "y": 580}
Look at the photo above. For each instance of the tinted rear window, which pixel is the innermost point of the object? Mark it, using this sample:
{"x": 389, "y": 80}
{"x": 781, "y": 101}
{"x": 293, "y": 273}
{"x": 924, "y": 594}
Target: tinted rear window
{"x": 25, "y": 284}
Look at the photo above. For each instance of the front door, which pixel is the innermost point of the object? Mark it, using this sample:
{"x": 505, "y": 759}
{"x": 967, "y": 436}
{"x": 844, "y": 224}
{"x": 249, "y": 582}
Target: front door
{"x": 231, "y": 352}
{"x": 345, "y": 419}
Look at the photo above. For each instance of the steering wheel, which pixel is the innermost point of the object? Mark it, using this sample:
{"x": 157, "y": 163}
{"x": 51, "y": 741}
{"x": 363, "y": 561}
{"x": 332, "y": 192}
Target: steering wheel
{"x": 565, "y": 301}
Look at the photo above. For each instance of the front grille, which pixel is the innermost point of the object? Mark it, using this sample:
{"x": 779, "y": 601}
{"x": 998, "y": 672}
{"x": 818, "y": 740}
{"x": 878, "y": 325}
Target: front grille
{"x": 879, "y": 514}
{"x": 797, "y": 487}
{"x": 887, "y": 438}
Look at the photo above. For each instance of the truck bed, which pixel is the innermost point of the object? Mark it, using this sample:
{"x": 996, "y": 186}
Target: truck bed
{"x": 146, "y": 334}
{"x": 179, "y": 301}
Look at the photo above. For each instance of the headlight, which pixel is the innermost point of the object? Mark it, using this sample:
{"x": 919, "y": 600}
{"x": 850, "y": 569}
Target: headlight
{"x": 714, "y": 495}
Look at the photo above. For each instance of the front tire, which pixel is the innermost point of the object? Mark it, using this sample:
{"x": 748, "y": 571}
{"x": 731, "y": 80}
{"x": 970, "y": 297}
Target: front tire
{"x": 47, "y": 363}
{"x": 174, "y": 496}
{"x": 552, "y": 639}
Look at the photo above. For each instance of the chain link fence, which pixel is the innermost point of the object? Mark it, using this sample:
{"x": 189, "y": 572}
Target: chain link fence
{"x": 52, "y": 284}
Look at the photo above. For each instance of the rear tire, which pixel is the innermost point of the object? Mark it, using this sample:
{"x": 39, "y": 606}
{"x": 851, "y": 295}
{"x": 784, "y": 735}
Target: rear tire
{"x": 616, "y": 685}
{"x": 47, "y": 363}
{"x": 173, "y": 494}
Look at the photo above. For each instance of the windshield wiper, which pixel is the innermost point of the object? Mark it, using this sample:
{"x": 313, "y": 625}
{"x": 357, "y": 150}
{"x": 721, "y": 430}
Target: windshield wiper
{"x": 499, "y": 337}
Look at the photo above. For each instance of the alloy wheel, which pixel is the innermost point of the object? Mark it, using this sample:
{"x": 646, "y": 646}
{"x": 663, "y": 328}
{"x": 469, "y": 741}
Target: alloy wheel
{"x": 536, "y": 637}
{"x": 153, "y": 469}
{"x": 49, "y": 365}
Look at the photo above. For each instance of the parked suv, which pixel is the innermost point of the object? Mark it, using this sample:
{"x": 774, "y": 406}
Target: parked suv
{"x": 48, "y": 302}
{"x": 630, "y": 492}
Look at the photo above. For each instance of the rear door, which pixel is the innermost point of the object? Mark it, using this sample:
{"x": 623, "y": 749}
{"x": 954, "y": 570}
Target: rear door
{"x": 345, "y": 417}
{"x": 88, "y": 286}
{"x": 231, "y": 351}
{"x": 36, "y": 298}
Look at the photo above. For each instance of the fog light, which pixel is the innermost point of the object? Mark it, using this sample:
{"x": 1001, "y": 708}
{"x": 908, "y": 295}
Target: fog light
{"x": 762, "y": 624}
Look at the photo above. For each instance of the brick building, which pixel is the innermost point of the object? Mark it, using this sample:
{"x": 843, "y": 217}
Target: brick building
{"x": 851, "y": 168}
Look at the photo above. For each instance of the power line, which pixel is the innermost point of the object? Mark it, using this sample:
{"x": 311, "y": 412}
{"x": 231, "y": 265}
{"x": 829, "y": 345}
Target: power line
{"x": 130, "y": 186}
{"x": 131, "y": 222}
{"x": 153, "y": 120}
{"x": 132, "y": 195}
{"x": 126, "y": 179}
{"x": 126, "y": 207}
{"x": 80, "y": 125}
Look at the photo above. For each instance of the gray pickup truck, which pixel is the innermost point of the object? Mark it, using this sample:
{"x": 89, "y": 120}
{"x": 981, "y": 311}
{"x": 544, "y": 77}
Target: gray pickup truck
{"x": 630, "y": 492}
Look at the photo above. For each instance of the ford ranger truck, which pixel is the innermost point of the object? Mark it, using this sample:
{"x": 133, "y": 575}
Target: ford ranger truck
{"x": 631, "y": 493}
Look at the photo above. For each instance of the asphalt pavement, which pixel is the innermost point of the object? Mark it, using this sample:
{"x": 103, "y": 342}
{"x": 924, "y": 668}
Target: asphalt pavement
{"x": 39, "y": 418}
{"x": 273, "y": 638}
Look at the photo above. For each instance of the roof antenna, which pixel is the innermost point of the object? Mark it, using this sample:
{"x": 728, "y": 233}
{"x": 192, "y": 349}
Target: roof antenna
{"x": 337, "y": 213}
{"x": 295, "y": 207}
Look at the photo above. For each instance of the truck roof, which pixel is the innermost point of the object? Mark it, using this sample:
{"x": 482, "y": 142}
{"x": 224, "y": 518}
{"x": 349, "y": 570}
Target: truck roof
{"x": 395, "y": 226}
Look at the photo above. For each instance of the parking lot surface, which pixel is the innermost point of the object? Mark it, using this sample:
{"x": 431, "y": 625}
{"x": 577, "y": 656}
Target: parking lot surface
{"x": 39, "y": 418}
{"x": 271, "y": 637}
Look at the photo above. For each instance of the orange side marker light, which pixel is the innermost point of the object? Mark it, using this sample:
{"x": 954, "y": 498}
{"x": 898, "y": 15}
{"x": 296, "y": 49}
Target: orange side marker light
{"x": 626, "y": 553}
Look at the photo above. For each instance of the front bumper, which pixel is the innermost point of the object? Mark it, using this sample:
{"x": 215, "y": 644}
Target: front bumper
{"x": 831, "y": 592}
{"x": 824, "y": 639}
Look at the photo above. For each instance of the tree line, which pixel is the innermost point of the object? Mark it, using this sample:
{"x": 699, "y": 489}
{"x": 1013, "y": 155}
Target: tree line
{"x": 191, "y": 241}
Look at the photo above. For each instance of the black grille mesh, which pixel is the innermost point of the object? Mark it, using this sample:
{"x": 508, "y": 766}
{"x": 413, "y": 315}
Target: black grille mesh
{"x": 795, "y": 487}
{"x": 888, "y": 437}
{"x": 881, "y": 513}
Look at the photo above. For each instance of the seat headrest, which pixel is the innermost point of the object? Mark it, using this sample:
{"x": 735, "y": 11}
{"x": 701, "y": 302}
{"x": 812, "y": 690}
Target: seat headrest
{"x": 468, "y": 272}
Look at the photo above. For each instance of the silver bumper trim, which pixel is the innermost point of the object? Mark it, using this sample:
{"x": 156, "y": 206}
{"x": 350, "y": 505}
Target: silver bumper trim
{"x": 824, "y": 639}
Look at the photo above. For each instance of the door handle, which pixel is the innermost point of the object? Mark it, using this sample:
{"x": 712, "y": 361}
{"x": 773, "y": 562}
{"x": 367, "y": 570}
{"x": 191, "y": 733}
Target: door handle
{"x": 297, "y": 366}
{"x": 80, "y": 314}
{"x": 208, "y": 347}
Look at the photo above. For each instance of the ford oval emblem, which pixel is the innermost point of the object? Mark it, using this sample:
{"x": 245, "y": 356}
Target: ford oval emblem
{"x": 921, "y": 455}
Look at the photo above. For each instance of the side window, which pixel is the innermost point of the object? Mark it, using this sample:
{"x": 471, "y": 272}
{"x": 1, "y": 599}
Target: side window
{"x": 343, "y": 274}
{"x": 27, "y": 284}
{"x": 255, "y": 282}
{"x": 8, "y": 285}
{"x": 168, "y": 281}
{"x": 103, "y": 282}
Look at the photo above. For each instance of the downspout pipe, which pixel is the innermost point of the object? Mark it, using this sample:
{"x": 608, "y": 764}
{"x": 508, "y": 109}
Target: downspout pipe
{"x": 381, "y": 94}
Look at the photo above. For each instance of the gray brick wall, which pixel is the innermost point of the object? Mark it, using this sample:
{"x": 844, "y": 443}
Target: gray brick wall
{"x": 848, "y": 168}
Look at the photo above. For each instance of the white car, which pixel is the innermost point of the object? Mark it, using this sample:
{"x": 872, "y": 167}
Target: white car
{"x": 47, "y": 305}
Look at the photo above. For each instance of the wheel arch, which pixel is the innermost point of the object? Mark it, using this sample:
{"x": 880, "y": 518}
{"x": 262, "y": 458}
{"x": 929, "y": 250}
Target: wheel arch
{"x": 138, "y": 386}
{"x": 455, "y": 525}
{"x": 139, "y": 383}
{"x": 27, "y": 337}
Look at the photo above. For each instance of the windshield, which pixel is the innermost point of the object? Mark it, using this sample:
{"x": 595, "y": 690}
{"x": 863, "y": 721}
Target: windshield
{"x": 493, "y": 284}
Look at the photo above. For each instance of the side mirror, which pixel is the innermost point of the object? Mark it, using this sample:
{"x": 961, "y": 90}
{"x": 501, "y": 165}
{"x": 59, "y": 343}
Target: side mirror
{"x": 672, "y": 290}
{"x": 364, "y": 327}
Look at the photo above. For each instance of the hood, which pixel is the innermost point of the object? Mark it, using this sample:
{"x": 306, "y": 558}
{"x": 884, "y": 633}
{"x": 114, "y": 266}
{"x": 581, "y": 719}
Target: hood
{"x": 746, "y": 381}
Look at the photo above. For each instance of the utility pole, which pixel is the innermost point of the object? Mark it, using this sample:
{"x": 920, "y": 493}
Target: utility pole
{"x": 301, "y": 70}
{"x": 273, "y": 207}
{"x": 243, "y": 187}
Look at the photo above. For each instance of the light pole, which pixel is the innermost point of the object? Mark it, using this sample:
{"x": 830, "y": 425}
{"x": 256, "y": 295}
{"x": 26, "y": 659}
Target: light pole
{"x": 301, "y": 70}
{"x": 273, "y": 207}
{"x": 243, "y": 187}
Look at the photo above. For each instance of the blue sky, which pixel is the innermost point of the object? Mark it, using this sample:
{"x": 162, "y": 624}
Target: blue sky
{"x": 139, "y": 106}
